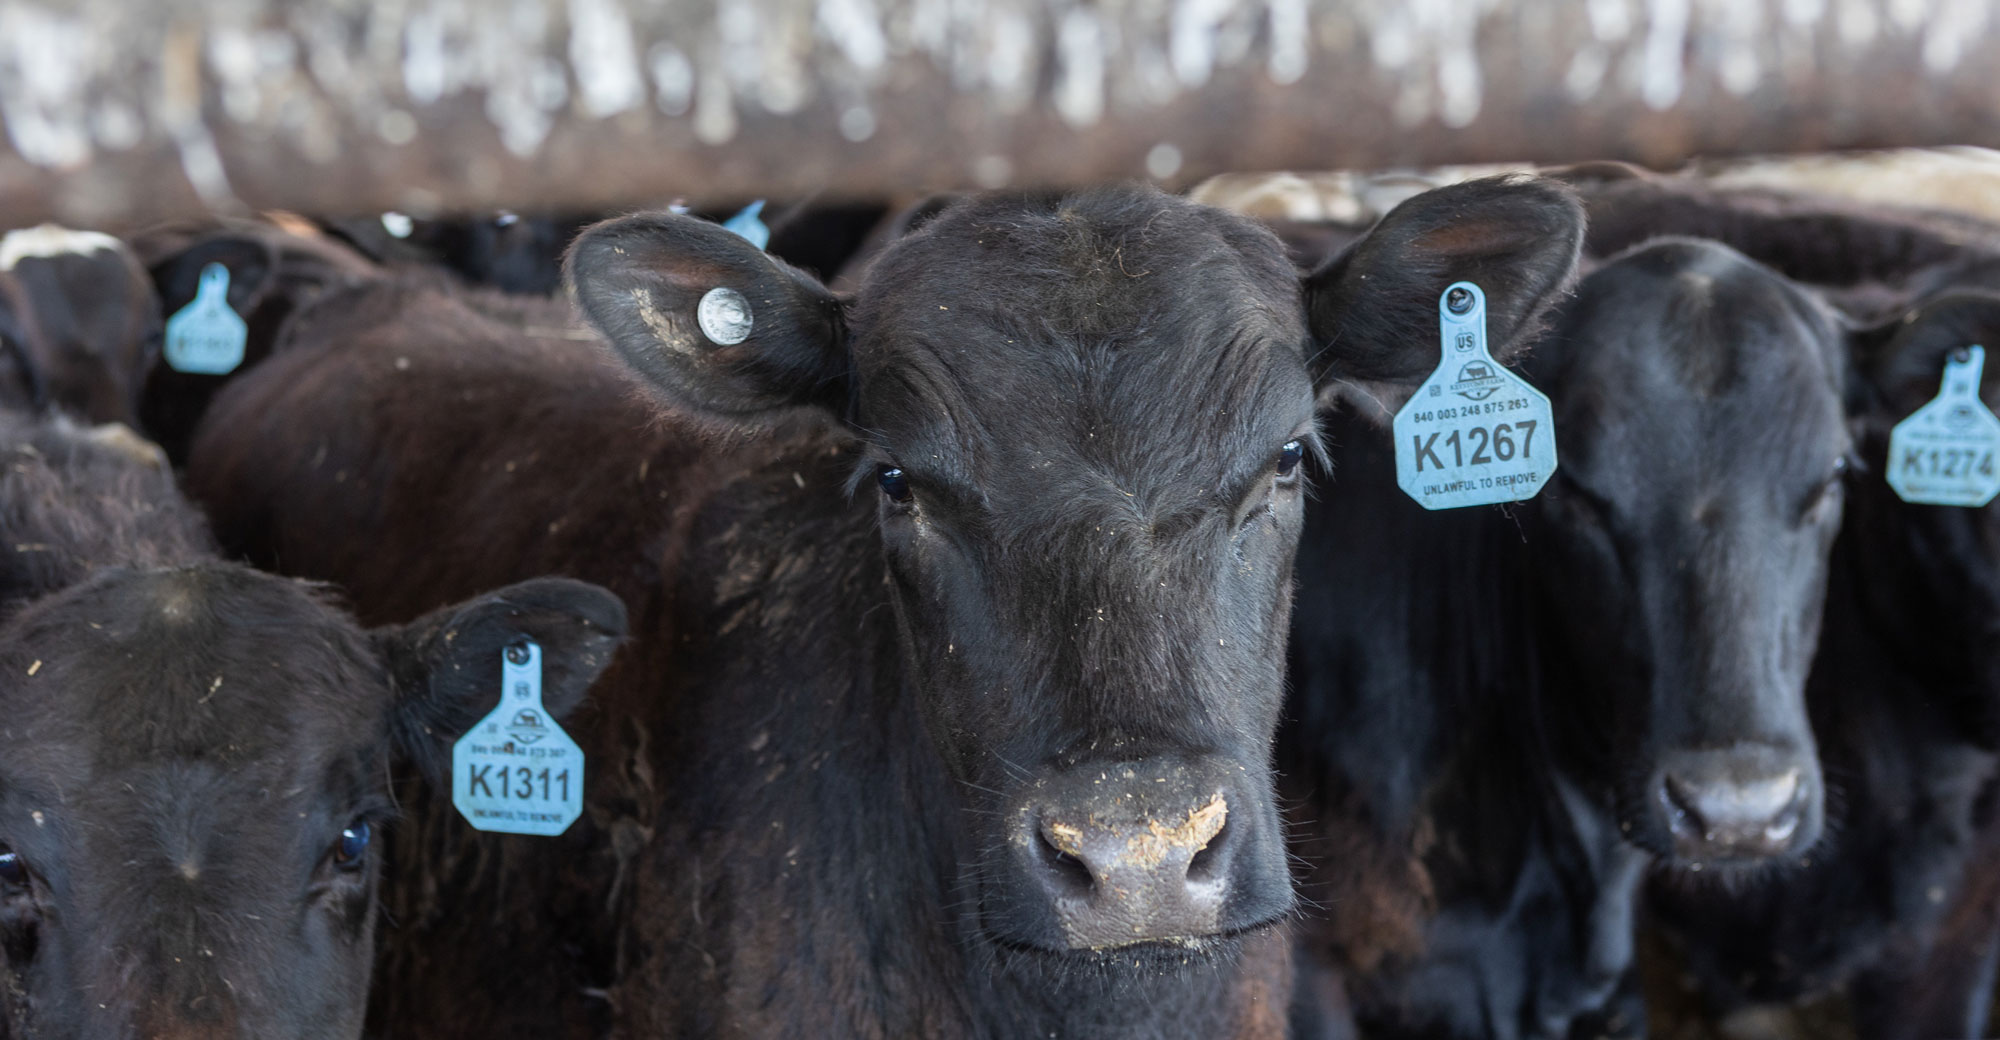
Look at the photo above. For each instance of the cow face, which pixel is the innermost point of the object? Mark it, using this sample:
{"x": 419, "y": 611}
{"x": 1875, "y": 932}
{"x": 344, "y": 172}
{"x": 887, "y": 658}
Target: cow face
{"x": 1081, "y": 421}
{"x": 193, "y": 782}
{"x": 1699, "y": 400}
{"x": 1929, "y": 575}
{"x": 81, "y": 322}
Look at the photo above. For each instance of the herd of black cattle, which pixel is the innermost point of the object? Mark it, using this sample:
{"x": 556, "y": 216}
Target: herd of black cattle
{"x": 1028, "y": 638}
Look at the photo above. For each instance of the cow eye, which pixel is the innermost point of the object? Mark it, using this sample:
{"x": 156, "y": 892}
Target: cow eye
{"x": 1829, "y": 490}
{"x": 352, "y": 846}
{"x": 12, "y": 870}
{"x": 894, "y": 483}
{"x": 1289, "y": 456}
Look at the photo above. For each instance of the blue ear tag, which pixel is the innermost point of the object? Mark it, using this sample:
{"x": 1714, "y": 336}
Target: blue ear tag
{"x": 1942, "y": 455}
{"x": 1475, "y": 434}
{"x": 516, "y": 771}
{"x": 749, "y": 225}
{"x": 206, "y": 337}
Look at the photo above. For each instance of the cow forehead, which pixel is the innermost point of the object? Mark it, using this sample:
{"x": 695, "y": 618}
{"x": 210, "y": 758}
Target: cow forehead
{"x": 1112, "y": 334}
{"x": 201, "y": 663}
{"x": 1703, "y": 319}
{"x": 1114, "y": 264}
{"x": 1694, "y": 357}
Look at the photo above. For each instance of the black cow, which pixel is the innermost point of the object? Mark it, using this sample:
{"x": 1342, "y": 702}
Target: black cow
{"x": 964, "y": 599}
{"x": 1894, "y": 907}
{"x": 510, "y": 252}
{"x": 1504, "y": 715}
{"x": 521, "y": 253}
{"x": 273, "y": 270}
{"x": 197, "y": 755}
{"x": 79, "y": 324}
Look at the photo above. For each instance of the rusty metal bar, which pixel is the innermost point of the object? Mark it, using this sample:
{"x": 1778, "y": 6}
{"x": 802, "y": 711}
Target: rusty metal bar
{"x": 119, "y": 111}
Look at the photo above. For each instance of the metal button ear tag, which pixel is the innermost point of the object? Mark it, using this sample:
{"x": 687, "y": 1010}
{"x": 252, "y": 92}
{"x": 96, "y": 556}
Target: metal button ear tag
{"x": 724, "y": 316}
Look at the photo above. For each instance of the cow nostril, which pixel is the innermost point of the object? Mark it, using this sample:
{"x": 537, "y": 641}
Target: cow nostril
{"x": 1067, "y": 871}
{"x": 1208, "y": 859}
{"x": 1786, "y": 823}
{"x": 1682, "y": 816}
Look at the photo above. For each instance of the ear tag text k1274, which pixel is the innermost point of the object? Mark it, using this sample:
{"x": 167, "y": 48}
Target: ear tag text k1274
{"x": 1943, "y": 454}
{"x": 1474, "y": 434}
{"x": 516, "y": 771}
{"x": 206, "y": 337}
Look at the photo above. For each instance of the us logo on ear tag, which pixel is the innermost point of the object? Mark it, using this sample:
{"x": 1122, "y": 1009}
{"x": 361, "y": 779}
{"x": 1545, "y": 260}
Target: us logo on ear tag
{"x": 1942, "y": 455}
{"x": 516, "y": 771}
{"x": 206, "y": 337}
{"x": 1475, "y": 434}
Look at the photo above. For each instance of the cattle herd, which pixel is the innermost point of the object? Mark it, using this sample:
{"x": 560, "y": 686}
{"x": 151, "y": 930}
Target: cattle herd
{"x": 997, "y": 616}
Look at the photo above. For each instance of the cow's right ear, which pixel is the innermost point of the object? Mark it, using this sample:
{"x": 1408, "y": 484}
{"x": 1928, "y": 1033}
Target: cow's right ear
{"x": 446, "y": 665}
{"x": 252, "y": 263}
{"x": 1901, "y": 362}
{"x": 1373, "y": 308}
{"x": 715, "y": 324}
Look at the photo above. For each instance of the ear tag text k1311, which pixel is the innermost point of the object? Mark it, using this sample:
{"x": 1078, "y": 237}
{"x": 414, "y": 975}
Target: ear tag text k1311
{"x": 516, "y": 771}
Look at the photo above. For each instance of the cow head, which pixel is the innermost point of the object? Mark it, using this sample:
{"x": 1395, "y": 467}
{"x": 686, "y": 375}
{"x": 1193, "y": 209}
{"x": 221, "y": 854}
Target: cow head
{"x": 1699, "y": 404}
{"x": 193, "y": 778}
{"x": 1080, "y": 420}
{"x": 80, "y": 320}
{"x": 274, "y": 271}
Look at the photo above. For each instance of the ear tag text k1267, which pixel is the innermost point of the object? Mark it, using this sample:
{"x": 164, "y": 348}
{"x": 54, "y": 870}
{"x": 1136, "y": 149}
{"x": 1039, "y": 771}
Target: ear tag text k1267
{"x": 1474, "y": 434}
{"x": 1943, "y": 454}
{"x": 206, "y": 337}
{"x": 516, "y": 771}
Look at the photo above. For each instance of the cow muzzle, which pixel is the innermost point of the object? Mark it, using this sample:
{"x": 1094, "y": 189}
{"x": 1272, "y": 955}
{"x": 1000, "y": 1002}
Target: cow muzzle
{"x": 1741, "y": 804}
{"x": 1147, "y": 852}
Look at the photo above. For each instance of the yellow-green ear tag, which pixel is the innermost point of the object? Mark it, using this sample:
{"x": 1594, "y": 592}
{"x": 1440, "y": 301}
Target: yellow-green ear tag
{"x": 1942, "y": 455}
{"x": 516, "y": 771}
{"x": 1475, "y": 434}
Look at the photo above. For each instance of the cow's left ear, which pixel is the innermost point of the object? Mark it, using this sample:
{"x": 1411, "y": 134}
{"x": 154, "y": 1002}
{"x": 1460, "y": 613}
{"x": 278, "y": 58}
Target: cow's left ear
{"x": 446, "y": 664}
{"x": 1373, "y": 308}
{"x": 716, "y": 325}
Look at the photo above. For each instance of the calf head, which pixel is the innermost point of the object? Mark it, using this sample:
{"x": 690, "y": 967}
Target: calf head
{"x": 1081, "y": 419}
{"x": 81, "y": 322}
{"x": 273, "y": 272}
{"x": 1699, "y": 398}
{"x": 1929, "y": 576}
{"x": 194, "y": 768}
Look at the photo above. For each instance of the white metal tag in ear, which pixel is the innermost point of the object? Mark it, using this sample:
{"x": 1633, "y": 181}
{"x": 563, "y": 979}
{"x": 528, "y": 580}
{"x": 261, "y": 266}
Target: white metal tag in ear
{"x": 1942, "y": 455}
{"x": 1475, "y": 433}
{"x": 724, "y": 316}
